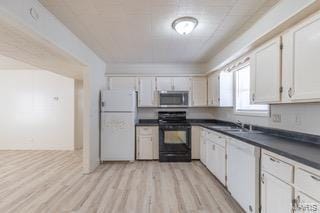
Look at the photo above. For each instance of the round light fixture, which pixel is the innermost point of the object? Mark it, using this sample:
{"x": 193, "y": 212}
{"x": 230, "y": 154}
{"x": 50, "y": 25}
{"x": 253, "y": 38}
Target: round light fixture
{"x": 185, "y": 25}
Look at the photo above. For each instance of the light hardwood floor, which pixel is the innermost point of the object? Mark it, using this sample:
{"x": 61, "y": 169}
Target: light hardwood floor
{"x": 51, "y": 181}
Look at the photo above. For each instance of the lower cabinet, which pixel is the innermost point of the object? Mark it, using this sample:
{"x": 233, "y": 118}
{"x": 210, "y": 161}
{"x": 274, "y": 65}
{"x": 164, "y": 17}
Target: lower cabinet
{"x": 306, "y": 204}
{"x": 203, "y": 151}
{"x": 288, "y": 186}
{"x": 276, "y": 195}
{"x": 216, "y": 160}
{"x": 147, "y": 143}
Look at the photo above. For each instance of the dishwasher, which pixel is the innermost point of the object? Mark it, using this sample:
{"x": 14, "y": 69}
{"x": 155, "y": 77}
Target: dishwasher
{"x": 243, "y": 162}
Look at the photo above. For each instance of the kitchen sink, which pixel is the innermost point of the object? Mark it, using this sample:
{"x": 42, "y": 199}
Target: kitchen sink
{"x": 243, "y": 131}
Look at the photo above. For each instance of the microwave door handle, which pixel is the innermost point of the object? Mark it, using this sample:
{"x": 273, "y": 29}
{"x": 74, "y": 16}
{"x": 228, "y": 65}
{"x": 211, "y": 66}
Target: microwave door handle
{"x": 183, "y": 99}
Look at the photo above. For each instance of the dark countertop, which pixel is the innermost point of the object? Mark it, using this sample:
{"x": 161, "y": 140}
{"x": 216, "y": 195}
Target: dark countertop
{"x": 300, "y": 147}
{"x": 300, "y": 151}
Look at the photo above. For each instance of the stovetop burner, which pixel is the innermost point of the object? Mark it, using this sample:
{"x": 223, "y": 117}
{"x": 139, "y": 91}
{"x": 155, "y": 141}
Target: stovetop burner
{"x": 172, "y": 118}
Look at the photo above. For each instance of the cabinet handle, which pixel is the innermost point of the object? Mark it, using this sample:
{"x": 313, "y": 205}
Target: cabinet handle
{"x": 253, "y": 97}
{"x": 290, "y": 93}
{"x": 274, "y": 160}
{"x": 296, "y": 202}
{"x": 315, "y": 178}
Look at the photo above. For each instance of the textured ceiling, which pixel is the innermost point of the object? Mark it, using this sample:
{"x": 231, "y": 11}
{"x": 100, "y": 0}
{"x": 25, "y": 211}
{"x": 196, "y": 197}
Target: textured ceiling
{"x": 139, "y": 31}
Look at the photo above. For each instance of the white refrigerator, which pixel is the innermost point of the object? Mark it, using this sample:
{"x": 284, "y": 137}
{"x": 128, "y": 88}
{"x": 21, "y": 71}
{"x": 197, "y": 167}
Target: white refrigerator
{"x": 118, "y": 116}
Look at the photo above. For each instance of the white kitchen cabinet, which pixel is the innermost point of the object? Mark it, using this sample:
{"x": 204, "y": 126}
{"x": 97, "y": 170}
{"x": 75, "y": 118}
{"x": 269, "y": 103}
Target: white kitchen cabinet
{"x": 173, "y": 83}
{"x": 147, "y": 143}
{"x": 216, "y": 161}
{"x": 199, "y": 91}
{"x": 308, "y": 182}
{"x": 195, "y": 142}
{"x": 164, "y": 84}
{"x": 282, "y": 180}
{"x": 211, "y": 90}
{"x": 276, "y": 195}
{"x": 216, "y": 155}
{"x": 301, "y": 50}
{"x": 115, "y": 82}
{"x": 265, "y": 76}
{"x": 220, "y": 164}
{"x": 210, "y": 155}
{"x": 203, "y": 149}
{"x": 220, "y": 89}
{"x": 181, "y": 83}
{"x": 305, "y": 204}
{"x": 147, "y": 92}
{"x": 145, "y": 147}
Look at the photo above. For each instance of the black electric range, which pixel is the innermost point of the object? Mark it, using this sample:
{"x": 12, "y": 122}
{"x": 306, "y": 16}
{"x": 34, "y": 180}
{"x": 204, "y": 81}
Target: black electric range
{"x": 174, "y": 137}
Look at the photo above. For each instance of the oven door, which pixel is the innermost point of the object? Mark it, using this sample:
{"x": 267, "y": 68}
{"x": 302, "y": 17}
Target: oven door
{"x": 175, "y": 139}
{"x": 174, "y": 98}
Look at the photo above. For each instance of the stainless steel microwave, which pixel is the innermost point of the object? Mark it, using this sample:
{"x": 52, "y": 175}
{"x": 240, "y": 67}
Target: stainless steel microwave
{"x": 173, "y": 98}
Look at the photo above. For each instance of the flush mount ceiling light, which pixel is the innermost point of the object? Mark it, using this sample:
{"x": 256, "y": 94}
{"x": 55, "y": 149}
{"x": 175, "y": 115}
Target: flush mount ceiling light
{"x": 185, "y": 25}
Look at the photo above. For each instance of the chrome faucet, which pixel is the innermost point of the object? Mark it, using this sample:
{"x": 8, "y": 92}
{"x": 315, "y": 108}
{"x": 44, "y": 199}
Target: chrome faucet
{"x": 242, "y": 126}
{"x": 239, "y": 124}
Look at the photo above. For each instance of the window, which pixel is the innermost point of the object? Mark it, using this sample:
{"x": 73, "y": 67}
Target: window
{"x": 243, "y": 106}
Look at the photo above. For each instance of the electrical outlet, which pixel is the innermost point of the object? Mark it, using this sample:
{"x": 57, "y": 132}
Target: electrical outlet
{"x": 276, "y": 118}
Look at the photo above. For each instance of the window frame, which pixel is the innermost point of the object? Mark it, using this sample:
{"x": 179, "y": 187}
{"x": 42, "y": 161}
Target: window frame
{"x": 244, "y": 112}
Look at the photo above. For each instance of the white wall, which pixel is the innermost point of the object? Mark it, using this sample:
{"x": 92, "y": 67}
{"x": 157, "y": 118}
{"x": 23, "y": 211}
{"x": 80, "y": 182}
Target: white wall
{"x": 295, "y": 117}
{"x": 197, "y": 113}
{"x": 37, "y": 110}
{"x": 51, "y": 30}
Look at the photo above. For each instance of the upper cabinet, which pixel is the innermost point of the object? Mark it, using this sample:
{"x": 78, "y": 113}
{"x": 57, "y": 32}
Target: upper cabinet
{"x": 265, "y": 67}
{"x": 301, "y": 50}
{"x": 199, "y": 91}
{"x": 181, "y": 83}
{"x": 129, "y": 83}
{"x": 173, "y": 83}
{"x": 220, "y": 89}
{"x": 147, "y": 92}
{"x": 164, "y": 83}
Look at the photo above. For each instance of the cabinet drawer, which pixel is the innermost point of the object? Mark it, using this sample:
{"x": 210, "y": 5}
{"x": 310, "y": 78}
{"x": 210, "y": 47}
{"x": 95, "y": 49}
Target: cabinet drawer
{"x": 144, "y": 131}
{"x": 308, "y": 183}
{"x": 278, "y": 168}
{"x": 217, "y": 138}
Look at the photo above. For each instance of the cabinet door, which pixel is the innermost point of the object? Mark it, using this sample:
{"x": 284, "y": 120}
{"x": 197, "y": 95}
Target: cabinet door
{"x": 147, "y": 92}
{"x": 220, "y": 163}
{"x": 211, "y": 85}
{"x": 145, "y": 148}
{"x": 164, "y": 84}
{"x": 305, "y": 204}
{"x": 195, "y": 142}
{"x": 181, "y": 84}
{"x": 276, "y": 196}
{"x": 203, "y": 147}
{"x": 301, "y": 51}
{"x": 199, "y": 91}
{"x": 128, "y": 83}
{"x": 265, "y": 66}
{"x": 224, "y": 88}
{"x": 216, "y": 89}
{"x": 211, "y": 156}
